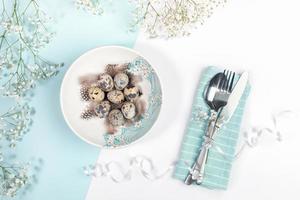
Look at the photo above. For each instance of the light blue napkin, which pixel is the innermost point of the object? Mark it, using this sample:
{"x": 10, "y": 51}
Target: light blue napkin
{"x": 221, "y": 155}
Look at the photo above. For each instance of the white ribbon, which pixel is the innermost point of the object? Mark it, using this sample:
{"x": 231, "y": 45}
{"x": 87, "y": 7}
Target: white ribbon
{"x": 254, "y": 134}
{"x": 116, "y": 172}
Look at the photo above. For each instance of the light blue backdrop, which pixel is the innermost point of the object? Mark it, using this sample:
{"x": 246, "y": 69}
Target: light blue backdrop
{"x": 61, "y": 176}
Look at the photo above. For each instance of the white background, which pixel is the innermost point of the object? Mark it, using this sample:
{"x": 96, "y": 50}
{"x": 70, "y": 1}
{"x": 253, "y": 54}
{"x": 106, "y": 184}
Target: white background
{"x": 259, "y": 36}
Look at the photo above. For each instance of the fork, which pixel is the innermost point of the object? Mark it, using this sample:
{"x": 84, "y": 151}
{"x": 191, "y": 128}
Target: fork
{"x": 220, "y": 92}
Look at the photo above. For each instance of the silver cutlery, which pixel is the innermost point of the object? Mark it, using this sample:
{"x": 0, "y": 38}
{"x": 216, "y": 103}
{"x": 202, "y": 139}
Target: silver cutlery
{"x": 216, "y": 97}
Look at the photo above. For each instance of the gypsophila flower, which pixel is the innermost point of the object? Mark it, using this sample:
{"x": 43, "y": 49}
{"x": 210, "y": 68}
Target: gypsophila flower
{"x": 171, "y": 18}
{"x": 199, "y": 115}
{"x": 15, "y": 123}
{"x": 91, "y": 6}
{"x": 13, "y": 178}
{"x": 23, "y": 32}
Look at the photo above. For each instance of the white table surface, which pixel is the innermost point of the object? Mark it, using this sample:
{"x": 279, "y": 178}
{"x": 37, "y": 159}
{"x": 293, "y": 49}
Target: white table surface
{"x": 262, "y": 37}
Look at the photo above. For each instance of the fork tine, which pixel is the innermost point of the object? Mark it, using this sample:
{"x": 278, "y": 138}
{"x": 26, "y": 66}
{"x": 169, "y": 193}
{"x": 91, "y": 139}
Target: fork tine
{"x": 231, "y": 82}
{"x": 227, "y": 80}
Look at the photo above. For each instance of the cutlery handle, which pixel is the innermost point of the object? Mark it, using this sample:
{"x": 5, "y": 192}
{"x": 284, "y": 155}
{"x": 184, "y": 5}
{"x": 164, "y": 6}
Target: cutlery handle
{"x": 211, "y": 124}
{"x": 201, "y": 161}
{"x": 197, "y": 171}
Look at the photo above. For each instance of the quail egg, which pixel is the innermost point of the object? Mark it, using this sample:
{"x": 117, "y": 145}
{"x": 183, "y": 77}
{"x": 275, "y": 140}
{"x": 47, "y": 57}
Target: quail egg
{"x": 116, "y": 118}
{"x": 103, "y": 109}
{"x": 131, "y": 93}
{"x": 121, "y": 81}
{"x": 115, "y": 96}
{"x": 128, "y": 110}
{"x": 106, "y": 82}
{"x": 96, "y": 94}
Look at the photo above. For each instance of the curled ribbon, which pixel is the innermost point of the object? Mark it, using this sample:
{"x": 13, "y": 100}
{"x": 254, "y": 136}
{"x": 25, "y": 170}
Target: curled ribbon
{"x": 116, "y": 172}
{"x": 252, "y": 136}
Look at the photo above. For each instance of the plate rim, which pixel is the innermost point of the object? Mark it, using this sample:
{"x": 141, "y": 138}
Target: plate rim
{"x": 64, "y": 80}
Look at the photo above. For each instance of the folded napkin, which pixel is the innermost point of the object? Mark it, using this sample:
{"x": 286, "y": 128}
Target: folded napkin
{"x": 221, "y": 154}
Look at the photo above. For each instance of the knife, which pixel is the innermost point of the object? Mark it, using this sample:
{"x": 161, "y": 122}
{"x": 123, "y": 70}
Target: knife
{"x": 225, "y": 115}
{"x": 234, "y": 98}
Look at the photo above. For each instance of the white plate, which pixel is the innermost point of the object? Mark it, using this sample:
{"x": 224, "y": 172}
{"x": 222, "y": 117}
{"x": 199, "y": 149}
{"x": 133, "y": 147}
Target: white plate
{"x": 94, "y": 61}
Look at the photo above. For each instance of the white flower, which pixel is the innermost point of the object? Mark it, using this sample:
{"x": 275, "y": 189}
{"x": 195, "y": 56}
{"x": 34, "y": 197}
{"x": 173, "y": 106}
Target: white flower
{"x": 91, "y": 6}
{"x": 22, "y": 34}
{"x": 171, "y": 18}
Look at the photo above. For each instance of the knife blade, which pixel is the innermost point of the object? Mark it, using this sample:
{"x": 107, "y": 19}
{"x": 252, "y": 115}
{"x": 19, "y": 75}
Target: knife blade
{"x": 234, "y": 98}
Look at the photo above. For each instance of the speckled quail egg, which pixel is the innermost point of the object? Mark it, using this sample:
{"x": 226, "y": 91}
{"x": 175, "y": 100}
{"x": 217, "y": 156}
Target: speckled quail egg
{"x": 106, "y": 82}
{"x": 131, "y": 93}
{"x": 96, "y": 94}
{"x": 103, "y": 109}
{"x": 116, "y": 118}
{"x": 115, "y": 96}
{"x": 128, "y": 110}
{"x": 121, "y": 80}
